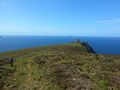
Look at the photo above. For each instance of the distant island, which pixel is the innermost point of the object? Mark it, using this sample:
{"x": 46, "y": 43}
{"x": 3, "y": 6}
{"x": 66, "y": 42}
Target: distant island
{"x": 71, "y": 66}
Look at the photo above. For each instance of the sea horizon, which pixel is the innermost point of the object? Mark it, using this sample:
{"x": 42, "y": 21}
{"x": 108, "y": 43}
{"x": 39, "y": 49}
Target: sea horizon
{"x": 102, "y": 45}
{"x": 61, "y": 36}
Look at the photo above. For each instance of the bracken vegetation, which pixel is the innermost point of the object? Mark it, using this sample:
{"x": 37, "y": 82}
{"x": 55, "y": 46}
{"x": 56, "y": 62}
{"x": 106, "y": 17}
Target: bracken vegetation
{"x": 71, "y": 66}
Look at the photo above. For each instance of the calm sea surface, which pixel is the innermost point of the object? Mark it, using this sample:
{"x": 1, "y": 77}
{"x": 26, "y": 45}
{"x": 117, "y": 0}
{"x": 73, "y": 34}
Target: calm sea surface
{"x": 102, "y": 45}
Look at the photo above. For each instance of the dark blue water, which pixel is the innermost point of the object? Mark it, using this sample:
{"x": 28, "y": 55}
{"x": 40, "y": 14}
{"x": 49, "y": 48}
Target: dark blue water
{"x": 102, "y": 45}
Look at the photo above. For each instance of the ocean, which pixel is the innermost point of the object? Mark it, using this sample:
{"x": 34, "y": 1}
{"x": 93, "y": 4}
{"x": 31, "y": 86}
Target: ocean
{"x": 102, "y": 45}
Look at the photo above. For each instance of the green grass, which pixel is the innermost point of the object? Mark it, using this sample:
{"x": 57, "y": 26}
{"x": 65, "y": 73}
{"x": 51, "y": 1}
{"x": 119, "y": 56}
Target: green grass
{"x": 60, "y": 67}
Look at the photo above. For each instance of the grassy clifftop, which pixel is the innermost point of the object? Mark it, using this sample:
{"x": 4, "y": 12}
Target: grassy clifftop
{"x": 73, "y": 66}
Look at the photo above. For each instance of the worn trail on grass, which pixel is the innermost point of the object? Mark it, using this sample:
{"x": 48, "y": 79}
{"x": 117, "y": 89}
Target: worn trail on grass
{"x": 30, "y": 82}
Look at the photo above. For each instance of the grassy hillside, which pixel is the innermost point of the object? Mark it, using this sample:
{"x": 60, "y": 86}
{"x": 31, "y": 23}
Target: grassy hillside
{"x": 61, "y": 67}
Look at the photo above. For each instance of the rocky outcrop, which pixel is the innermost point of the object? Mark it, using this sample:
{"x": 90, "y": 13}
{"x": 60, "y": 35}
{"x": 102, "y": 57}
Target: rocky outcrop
{"x": 88, "y": 47}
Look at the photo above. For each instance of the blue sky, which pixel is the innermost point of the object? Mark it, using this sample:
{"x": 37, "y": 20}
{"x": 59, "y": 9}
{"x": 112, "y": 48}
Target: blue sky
{"x": 60, "y": 17}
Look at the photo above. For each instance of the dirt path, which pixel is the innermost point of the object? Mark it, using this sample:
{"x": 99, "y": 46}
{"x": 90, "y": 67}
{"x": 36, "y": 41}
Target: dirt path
{"x": 31, "y": 83}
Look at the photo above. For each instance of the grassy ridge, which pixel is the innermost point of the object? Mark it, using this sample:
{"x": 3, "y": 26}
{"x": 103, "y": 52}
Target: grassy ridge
{"x": 60, "y": 67}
